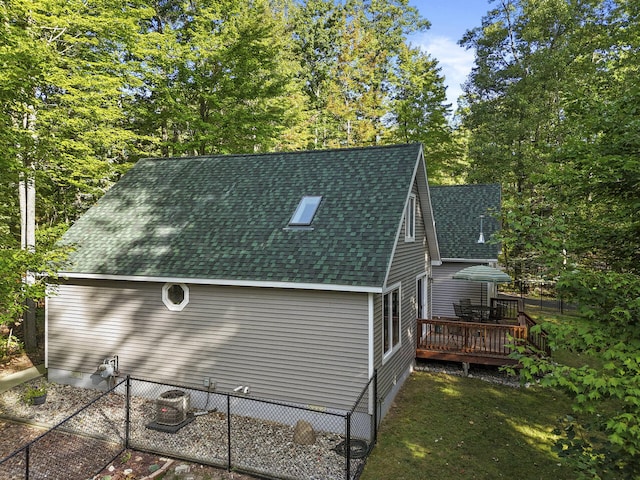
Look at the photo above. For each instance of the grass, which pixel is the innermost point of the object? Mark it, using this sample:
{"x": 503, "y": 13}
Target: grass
{"x": 448, "y": 427}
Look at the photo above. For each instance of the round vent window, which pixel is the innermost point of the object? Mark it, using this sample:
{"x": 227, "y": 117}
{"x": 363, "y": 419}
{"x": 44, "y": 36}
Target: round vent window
{"x": 175, "y": 296}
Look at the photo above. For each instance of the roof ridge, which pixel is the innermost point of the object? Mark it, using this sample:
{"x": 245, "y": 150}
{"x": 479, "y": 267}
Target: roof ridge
{"x": 287, "y": 152}
{"x": 485, "y": 184}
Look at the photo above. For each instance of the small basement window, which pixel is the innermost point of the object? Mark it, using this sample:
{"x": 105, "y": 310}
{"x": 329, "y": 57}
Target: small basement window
{"x": 175, "y": 296}
{"x": 303, "y": 216}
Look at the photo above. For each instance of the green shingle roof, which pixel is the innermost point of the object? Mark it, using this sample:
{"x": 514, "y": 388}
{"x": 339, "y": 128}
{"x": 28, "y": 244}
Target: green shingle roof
{"x": 457, "y": 210}
{"x": 226, "y": 217}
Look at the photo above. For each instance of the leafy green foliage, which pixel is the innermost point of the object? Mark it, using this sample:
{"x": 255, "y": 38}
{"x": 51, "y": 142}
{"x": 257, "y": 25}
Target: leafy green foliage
{"x": 419, "y": 111}
{"x": 215, "y": 78}
{"x": 607, "y": 388}
{"x": 551, "y": 111}
{"x": 551, "y": 108}
{"x": 364, "y": 85}
{"x": 15, "y": 265}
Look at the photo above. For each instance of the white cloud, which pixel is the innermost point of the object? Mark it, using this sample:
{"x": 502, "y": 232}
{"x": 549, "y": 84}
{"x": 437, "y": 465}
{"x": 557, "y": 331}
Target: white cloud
{"x": 455, "y": 61}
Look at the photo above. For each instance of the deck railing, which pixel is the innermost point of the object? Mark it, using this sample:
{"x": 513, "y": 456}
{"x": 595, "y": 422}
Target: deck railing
{"x": 509, "y": 307}
{"x": 469, "y": 338}
{"x": 534, "y": 337}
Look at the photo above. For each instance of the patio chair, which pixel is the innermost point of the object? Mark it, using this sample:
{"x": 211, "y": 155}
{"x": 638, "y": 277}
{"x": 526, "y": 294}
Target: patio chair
{"x": 497, "y": 313}
{"x": 463, "y": 312}
{"x": 471, "y": 314}
{"x": 465, "y": 301}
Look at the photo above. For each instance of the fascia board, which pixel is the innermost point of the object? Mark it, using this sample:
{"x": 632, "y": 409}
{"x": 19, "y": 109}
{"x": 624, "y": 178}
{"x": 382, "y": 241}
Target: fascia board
{"x": 225, "y": 282}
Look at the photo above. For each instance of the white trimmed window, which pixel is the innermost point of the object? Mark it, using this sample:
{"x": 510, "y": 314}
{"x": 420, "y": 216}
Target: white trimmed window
{"x": 410, "y": 220}
{"x": 175, "y": 296}
{"x": 391, "y": 321}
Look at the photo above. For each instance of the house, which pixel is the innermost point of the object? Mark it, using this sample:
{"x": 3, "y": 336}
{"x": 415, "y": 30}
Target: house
{"x": 298, "y": 274}
{"x": 463, "y": 213}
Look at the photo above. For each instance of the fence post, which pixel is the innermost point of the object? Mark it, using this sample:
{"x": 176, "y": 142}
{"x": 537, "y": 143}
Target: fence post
{"x": 26, "y": 462}
{"x": 228, "y": 432}
{"x": 127, "y": 408}
{"x": 347, "y": 449}
{"x": 375, "y": 407}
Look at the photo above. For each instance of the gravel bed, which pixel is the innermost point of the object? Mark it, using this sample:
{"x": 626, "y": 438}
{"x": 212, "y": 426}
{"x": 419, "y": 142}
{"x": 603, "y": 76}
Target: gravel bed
{"x": 487, "y": 374}
{"x": 258, "y": 446}
{"x": 62, "y": 401}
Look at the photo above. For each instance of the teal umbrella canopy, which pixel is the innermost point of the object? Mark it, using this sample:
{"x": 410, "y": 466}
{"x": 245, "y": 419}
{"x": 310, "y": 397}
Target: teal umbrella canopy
{"x": 482, "y": 273}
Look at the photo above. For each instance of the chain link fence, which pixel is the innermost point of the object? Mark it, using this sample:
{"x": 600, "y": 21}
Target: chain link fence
{"x": 78, "y": 447}
{"x": 226, "y": 430}
{"x": 255, "y": 436}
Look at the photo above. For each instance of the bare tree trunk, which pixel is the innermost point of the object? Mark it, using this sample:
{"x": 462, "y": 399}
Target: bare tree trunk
{"x": 27, "y": 189}
{"x": 27, "y": 194}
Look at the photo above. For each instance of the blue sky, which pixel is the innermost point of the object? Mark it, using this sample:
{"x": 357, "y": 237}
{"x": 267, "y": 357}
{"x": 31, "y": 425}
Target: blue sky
{"x": 449, "y": 20}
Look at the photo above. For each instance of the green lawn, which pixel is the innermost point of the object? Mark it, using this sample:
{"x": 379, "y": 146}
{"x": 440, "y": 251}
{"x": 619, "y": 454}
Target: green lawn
{"x": 447, "y": 427}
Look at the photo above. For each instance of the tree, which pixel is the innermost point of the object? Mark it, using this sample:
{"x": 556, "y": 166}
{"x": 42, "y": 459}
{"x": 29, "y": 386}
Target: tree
{"x": 602, "y": 437}
{"x": 317, "y": 27}
{"x": 61, "y": 121}
{"x": 552, "y": 116}
{"x": 419, "y": 111}
{"x": 356, "y": 96}
{"x": 216, "y": 78}
{"x": 601, "y": 153}
{"x": 357, "y": 71}
{"x": 530, "y": 56}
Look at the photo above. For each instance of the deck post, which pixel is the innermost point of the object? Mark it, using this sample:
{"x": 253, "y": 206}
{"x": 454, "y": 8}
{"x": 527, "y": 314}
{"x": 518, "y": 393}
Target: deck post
{"x": 465, "y": 368}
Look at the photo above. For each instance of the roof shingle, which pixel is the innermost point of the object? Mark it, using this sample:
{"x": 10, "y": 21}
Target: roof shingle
{"x": 457, "y": 210}
{"x": 226, "y": 217}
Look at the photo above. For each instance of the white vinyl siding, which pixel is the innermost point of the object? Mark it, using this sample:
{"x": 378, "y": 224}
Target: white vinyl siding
{"x": 307, "y": 347}
{"x": 447, "y": 290}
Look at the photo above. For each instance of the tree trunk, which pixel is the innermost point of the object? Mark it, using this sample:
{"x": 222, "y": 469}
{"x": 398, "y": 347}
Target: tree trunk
{"x": 28, "y": 240}
{"x": 27, "y": 194}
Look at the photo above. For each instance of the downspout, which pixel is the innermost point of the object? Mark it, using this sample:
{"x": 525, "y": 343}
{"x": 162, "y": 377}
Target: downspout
{"x": 371, "y": 338}
{"x": 373, "y": 401}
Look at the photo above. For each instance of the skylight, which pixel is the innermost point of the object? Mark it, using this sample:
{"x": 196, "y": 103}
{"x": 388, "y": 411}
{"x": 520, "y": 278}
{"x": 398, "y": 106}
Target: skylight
{"x": 306, "y": 210}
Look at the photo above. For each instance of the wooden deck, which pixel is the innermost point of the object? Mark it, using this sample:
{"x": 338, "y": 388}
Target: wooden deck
{"x": 481, "y": 343}
{"x": 470, "y": 342}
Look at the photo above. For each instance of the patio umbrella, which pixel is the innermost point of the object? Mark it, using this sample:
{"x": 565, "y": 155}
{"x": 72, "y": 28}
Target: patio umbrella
{"x": 482, "y": 273}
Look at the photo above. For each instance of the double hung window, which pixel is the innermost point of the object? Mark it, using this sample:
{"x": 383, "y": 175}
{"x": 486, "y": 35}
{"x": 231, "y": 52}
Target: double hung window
{"x": 391, "y": 321}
